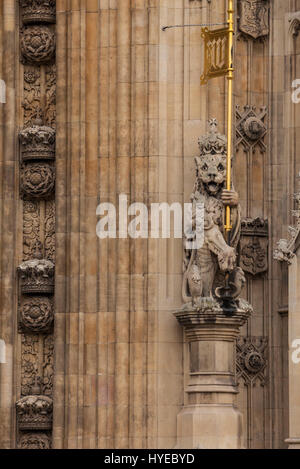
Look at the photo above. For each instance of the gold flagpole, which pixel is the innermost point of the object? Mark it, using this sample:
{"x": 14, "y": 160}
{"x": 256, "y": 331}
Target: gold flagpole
{"x": 228, "y": 226}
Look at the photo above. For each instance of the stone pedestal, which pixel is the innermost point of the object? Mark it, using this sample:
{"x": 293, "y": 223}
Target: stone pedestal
{"x": 210, "y": 418}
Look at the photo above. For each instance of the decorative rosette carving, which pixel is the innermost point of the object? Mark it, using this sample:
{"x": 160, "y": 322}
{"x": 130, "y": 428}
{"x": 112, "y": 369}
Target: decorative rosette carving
{"x": 37, "y": 180}
{"x": 251, "y": 359}
{"x": 34, "y": 441}
{"x": 36, "y": 314}
{"x": 37, "y": 143}
{"x": 37, "y": 276}
{"x": 35, "y": 413}
{"x": 37, "y": 44}
{"x": 38, "y": 11}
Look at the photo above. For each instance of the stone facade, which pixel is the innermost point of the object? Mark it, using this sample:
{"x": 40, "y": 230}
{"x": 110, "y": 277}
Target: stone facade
{"x": 100, "y": 102}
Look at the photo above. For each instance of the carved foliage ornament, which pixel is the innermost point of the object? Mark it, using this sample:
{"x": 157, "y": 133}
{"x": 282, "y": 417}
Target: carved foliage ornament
{"x": 38, "y": 11}
{"x": 37, "y": 44}
{"x": 37, "y": 180}
{"x": 254, "y": 17}
{"x": 36, "y": 314}
{"x": 254, "y": 246}
{"x": 37, "y": 142}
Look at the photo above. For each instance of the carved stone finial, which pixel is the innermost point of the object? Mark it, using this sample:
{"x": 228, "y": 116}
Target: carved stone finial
{"x": 34, "y": 413}
{"x": 37, "y": 143}
{"x": 38, "y": 11}
{"x": 37, "y": 276}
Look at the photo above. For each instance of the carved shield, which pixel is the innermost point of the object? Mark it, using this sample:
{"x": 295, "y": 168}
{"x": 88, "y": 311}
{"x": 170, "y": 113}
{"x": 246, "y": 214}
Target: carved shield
{"x": 254, "y": 17}
{"x": 254, "y": 255}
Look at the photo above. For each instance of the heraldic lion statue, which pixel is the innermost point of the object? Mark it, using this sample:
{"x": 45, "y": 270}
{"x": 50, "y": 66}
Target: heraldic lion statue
{"x": 205, "y": 267}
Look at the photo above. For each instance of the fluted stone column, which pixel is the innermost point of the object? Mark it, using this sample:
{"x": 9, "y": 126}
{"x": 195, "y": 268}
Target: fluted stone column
{"x": 210, "y": 419}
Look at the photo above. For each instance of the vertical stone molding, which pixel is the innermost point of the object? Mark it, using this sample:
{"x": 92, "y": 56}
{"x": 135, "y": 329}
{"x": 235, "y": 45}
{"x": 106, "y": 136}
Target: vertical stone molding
{"x": 34, "y": 408}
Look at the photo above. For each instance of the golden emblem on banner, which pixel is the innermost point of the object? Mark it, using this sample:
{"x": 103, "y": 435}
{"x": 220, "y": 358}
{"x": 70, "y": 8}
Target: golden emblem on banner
{"x": 216, "y": 53}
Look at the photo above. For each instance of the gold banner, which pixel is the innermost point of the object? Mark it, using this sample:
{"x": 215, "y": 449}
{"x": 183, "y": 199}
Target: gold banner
{"x": 216, "y": 53}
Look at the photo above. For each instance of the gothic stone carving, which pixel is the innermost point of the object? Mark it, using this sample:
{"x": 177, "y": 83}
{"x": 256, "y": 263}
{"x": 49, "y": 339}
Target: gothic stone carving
{"x": 34, "y": 413}
{"x": 204, "y": 268}
{"x": 50, "y": 105}
{"x": 250, "y": 127}
{"x": 37, "y": 44}
{"x": 254, "y": 17}
{"x": 37, "y": 276}
{"x": 294, "y": 20}
{"x": 49, "y": 229}
{"x": 284, "y": 251}
{"x": 37, "y": 180}
{"x": 48, "y": 364}
{"x": 31, "y": 228}
{"x": 32, "y": 95}
{"x": 37, "y": 143}
{"x": 254, "y": 246}
{"x": 29, "y": 362}
{"x": 38, "y": 11}
{"x": 34, "y": 441}
{"x": 36, "y": 314}
{"x": 251, "y": 359}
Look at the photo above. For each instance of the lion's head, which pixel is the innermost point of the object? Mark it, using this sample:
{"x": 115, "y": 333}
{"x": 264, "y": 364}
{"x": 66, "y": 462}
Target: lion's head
{"x": 211, "y": 173}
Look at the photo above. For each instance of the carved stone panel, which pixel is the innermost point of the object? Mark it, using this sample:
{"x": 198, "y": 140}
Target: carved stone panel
{"x": 254, "y": 246}
{"x": 37, "y": 44}
{"x": 254, "y": 17}
{"x": 251, "y": 359}
{"x": 251, "y": 127}
{"x": 29, "y": 362}
{"x": 37, "y": 180}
